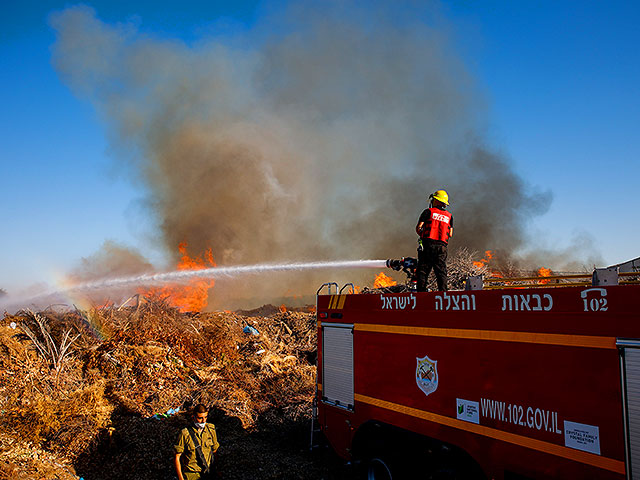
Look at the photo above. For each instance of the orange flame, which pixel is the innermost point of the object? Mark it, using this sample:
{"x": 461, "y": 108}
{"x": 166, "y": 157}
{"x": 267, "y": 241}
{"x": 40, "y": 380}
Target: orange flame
{"x": 488, "y": 255}
{"x": 544, "y": 272}
{"x": 283, "y": 308}
{"x": 192, "y": 297}
{"x": 383, "y": 280}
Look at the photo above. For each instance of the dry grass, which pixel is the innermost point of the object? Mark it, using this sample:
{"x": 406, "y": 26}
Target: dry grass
{"x": 70, "y": 380}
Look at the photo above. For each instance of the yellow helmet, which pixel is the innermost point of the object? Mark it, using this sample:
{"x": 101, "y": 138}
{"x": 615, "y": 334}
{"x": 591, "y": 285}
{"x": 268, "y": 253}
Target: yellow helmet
{"x": 441, "y": 196}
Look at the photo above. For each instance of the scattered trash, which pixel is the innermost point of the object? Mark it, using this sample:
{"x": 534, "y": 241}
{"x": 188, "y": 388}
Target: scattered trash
{"x": 13, "y": 325}
{"x": 167, "y": 414}
{"x": 249, "y": 329}
{"x": 262, "y": 350}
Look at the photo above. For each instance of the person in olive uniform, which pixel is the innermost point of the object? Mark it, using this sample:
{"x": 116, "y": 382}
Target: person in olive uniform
{"x": 191, "y": 464}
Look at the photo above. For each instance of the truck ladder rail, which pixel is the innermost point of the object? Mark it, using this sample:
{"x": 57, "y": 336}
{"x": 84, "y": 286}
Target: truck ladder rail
{"x": 352, "y": 288}
{"x": 328, "y": 285}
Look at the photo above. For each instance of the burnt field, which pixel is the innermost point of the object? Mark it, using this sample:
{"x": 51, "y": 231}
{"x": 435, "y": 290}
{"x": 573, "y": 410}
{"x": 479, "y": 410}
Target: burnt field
{"x": 86, "y": 393}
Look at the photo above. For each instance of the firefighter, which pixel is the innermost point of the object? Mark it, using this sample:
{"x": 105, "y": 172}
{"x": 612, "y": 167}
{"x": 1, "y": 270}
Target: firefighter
{"x": 435, "y": 228}
{"x": 195, "y": 448}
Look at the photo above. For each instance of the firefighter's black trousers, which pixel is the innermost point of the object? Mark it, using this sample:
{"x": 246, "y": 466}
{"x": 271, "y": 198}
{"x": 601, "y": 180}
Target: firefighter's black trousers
{"x": 432, "y": 256}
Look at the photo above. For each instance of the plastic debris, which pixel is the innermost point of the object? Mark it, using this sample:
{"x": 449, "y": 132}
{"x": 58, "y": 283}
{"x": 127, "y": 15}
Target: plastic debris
{"x": 249, "y": 329}
{"x": 262, "y": 350}
{"x": 167, "y": 414}
{"x": 13, "y": 325}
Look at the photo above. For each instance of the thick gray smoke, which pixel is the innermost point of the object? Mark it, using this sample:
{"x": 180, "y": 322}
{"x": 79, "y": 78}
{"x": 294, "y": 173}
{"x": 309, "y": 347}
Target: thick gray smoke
{"x": 316, "y": 135}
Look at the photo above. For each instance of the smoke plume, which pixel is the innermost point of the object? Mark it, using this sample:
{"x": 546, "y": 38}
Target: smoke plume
{"x": 110, "y": 261}
{"x": 317, "y": 134}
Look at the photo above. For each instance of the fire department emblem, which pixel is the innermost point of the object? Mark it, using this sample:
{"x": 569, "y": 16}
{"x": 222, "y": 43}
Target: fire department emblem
{"x": 427, "y": 375}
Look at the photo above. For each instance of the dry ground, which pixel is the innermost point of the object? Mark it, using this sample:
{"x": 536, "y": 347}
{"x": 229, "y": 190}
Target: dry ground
{"x": 79, "y": 391}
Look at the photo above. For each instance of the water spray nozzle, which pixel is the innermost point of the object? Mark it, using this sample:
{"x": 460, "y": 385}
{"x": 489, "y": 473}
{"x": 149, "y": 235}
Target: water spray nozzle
{"x": 407, "y": 264}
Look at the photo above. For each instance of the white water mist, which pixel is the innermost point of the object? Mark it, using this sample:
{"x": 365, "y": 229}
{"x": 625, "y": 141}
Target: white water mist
{"x": 184, "y": 276}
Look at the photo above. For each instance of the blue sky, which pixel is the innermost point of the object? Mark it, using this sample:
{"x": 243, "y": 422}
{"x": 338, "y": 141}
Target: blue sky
{"x": 564, "y": 92}
{"x": 561, "y": 82}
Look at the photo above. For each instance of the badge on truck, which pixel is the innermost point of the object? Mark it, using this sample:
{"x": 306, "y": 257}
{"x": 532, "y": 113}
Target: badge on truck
{"x": 427, "y": 374}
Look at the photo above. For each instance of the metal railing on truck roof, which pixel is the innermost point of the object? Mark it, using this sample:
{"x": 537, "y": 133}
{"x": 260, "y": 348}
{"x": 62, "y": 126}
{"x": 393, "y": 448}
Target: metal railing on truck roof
{"x": 599, "y": 277}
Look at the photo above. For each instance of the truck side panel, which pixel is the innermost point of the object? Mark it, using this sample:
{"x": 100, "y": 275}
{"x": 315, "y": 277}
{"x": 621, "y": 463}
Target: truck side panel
{"x": 523, "y": 381}
{"x": 526, "y": 390}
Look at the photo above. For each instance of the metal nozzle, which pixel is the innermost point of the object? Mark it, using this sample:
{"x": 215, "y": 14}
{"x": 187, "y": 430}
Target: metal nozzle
{"x": 407, "y": 264}
{"x": 395, "y": 264}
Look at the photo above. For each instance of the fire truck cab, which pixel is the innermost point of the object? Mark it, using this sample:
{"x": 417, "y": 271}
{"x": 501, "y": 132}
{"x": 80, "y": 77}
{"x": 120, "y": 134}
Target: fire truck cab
{"x": 509, "y": 383}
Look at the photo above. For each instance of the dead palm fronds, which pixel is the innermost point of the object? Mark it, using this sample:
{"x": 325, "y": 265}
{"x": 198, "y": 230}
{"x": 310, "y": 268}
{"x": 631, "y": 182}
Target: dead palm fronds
{"x": 54, "y": 353}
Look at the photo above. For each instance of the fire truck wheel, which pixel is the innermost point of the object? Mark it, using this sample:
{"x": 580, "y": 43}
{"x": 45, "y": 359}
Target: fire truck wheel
{"x": 447, "y": 473}
{"x": 378, "y": 468}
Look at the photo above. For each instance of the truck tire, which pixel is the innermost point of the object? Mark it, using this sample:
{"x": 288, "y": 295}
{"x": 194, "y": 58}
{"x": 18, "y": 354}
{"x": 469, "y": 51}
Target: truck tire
{"x": 378, "y": 468}
{"x": 386, "y": 452}
{"x": 449, "y": 473}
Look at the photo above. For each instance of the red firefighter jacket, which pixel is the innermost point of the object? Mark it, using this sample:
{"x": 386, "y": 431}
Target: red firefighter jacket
{"x": 436, "y": 225}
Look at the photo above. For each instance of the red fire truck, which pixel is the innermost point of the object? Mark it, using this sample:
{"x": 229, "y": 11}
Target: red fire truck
{"x": 509, "y": 383}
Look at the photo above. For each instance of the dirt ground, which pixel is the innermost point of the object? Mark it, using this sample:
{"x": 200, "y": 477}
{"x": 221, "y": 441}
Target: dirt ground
{"x": 268, "y": 452}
